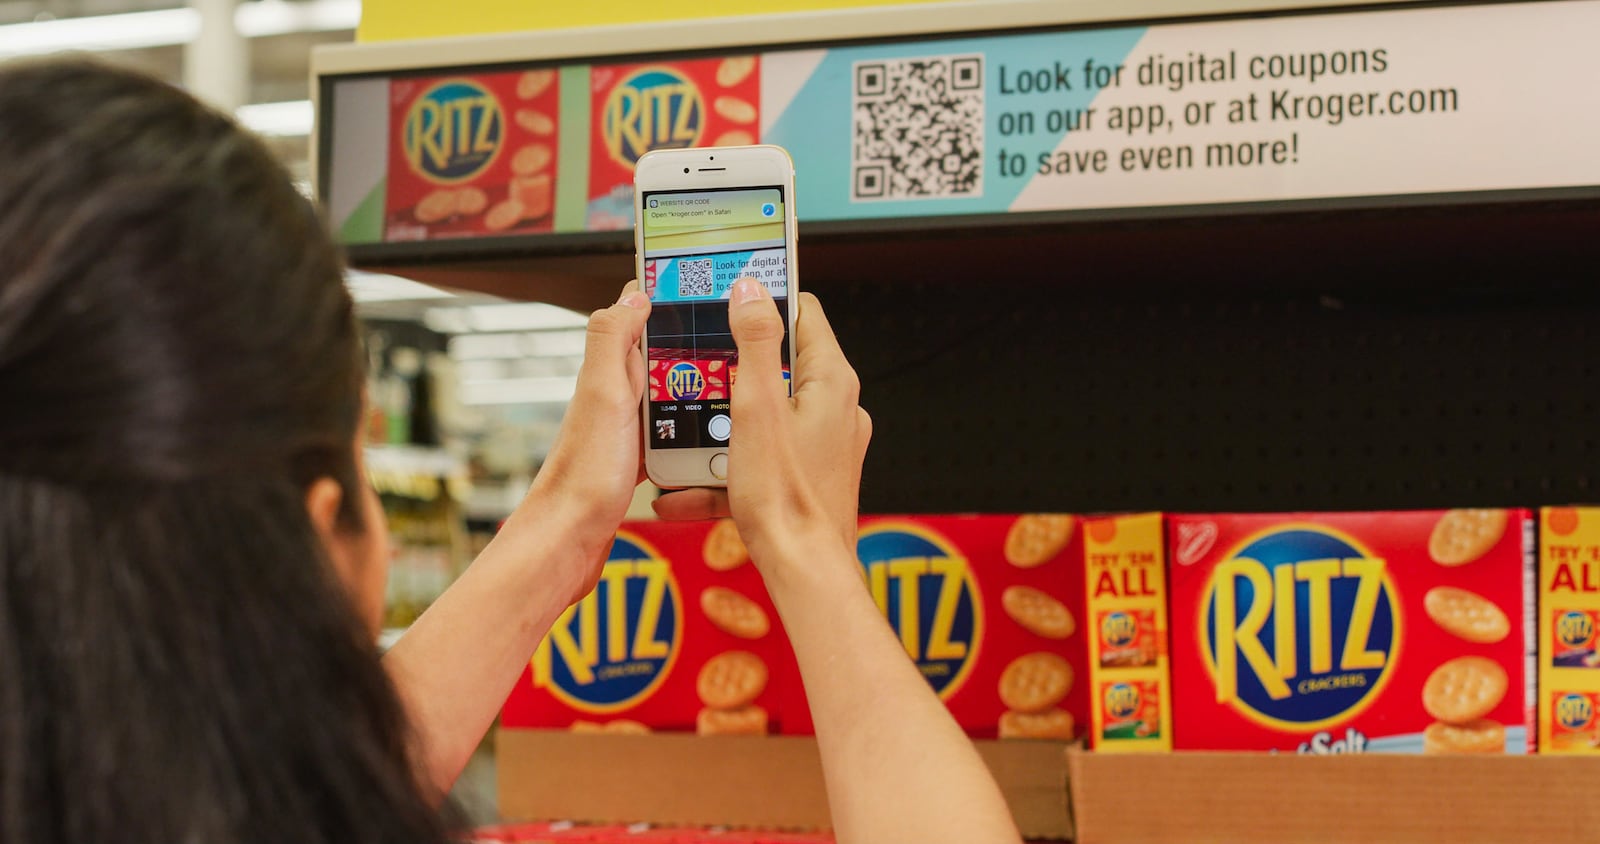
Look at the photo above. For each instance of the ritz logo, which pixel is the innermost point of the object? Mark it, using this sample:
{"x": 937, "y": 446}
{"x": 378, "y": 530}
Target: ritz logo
{"x": 1574, "y": 629}
{"x": 684, "y": 381}
{"x": 453, "y": 132}
{"x": 653, "y": 108}
{"x": 1300, "y": 627}
{"x": 1574, "y": 711}
{"x": 612, "y": 650}
{"x": 1119, "y": 629}
{"x": 926, "y": 590}
{"x": 1122, "y": 700}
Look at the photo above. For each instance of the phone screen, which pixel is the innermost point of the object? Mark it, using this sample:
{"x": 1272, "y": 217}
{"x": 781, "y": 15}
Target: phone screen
{"x": 697, "y": 243}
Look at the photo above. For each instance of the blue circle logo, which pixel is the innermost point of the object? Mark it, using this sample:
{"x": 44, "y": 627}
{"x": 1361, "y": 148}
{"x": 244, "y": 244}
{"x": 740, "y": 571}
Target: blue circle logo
{"x": 1119, "y": 629}
{"x": 1574, "y": 629}
{"x": 615, "y": 647}
{"x": 1122, "y": 700}
{"x": 1299, "y": 627}
{"x": 1574, "y": 711}
{"x": 684, "y": 381}
{"x": 654, "y": 108}
{"x": 768, "y": 210}
{"x": 453, "y": 132}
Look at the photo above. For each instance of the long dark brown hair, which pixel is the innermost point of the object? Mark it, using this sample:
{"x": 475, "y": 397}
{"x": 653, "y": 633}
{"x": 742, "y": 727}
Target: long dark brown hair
{"x": 178, "y": 360}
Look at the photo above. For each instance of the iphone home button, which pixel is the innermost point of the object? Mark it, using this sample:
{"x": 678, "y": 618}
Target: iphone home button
{"x": 719, "y": 465}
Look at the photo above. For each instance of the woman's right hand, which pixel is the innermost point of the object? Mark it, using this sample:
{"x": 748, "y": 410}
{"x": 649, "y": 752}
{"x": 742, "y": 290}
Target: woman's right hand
{"x": 794, "y": 463}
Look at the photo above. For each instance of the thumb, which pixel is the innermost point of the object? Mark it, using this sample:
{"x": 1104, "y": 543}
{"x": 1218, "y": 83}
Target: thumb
{"x": 758, "y": 330}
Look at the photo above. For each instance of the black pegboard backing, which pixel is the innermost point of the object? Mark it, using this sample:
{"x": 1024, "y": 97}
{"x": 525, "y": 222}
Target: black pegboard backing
{"x": 1038, "y": 393}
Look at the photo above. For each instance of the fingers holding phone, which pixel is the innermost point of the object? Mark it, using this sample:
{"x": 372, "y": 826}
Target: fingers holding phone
{"x": 797, "y": 461}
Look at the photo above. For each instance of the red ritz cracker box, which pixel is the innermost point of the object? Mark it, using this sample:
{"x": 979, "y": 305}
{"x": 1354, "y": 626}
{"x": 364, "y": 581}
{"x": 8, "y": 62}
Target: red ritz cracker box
{"x": 636, "y": 108}
{"x": 678, "y": 635}
{"x": 988, "y": 608}
{"x": 691, "y": 375}
{"x": 472, "y": 155}
{"x": 1397, "y": 632}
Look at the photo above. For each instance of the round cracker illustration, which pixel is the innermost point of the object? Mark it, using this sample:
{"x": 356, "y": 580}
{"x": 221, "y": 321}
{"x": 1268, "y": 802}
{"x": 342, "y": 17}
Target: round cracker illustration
{"x": 731, "y": 680}
{"x": 724, "y": 550}
{"x": 1037, "y": 612}
{"x": 503, "y": 216}
{"x": 436, "y": 206}
{"x": 1464, "y": 689}
{"x": 1480, "y": 736}
{"x": 735, "y": 69}
{"x": 1037, "y": 537}
{"x": 734, "y": 138}
{"x": 1466, "y": 615}
{"x": 733, "y": 613}
{"x": 531, "y": 159}
{"x": 536, "y": 122}
{"x": 1035, "y": 682}
{"x": 735, "y": 109}
{"x": 535, "y": 82}
{"x": 470, "y": 202}
{"x": 1051, "y": 724}
{"x": 744, "y": 721}
{"x": 1462, "y": 536}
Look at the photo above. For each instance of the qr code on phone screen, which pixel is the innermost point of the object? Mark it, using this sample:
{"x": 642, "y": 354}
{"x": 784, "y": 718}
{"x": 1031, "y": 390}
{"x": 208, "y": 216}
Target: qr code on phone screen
{"x": 694, "y": 278}
{"x": 918, "y": 128}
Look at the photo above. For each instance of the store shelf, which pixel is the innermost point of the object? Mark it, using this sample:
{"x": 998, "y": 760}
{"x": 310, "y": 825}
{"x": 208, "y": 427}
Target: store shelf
{"x": 1195, "y": 798}
{"x": 769, "y": 782}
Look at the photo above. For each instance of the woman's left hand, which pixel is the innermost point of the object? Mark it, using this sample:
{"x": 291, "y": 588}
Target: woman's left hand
{"x": 588, "y": 479}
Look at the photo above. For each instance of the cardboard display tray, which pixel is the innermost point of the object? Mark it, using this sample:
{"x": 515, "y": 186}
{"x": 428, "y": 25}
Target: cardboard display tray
{"x": 770, "y": 782}
{"x": 1241, "y": 798}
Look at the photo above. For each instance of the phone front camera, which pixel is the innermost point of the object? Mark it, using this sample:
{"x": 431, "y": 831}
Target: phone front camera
{"x": 685, "y": 169}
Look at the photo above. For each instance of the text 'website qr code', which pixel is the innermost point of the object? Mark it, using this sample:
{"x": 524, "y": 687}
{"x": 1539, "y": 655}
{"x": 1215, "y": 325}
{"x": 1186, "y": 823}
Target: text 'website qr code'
{"x": 918, "y": 128}
{"x": 694, "y": 278}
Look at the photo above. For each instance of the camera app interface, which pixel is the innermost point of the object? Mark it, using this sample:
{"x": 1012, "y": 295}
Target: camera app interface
{"x": 696, "y": 245}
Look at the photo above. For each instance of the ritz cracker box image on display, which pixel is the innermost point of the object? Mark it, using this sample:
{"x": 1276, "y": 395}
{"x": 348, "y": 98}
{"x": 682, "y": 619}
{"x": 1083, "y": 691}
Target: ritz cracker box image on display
{"x": 988, "y": 608}
{"x": 1391, "y": 632}
{"x": 1569, "y": 624}
{"x": 635, "y": 108}
{"x": 679, "y": 635}
{"x": 472, "y": 155}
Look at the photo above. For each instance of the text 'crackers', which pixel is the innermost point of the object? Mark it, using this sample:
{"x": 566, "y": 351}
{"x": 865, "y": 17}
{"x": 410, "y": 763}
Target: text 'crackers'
{"x": 1397, "y": 632}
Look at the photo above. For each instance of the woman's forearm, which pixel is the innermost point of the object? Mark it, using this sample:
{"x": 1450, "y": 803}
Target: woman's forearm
{"x": 897, "y": 766}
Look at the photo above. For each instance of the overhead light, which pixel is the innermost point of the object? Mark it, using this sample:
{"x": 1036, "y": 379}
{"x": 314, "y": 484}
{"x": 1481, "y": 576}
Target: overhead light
{"x": 287, "y": 119}
{"x": 519, "y": 316}
{"x": 131, "y": 31}
{"x": 557, "y": 389}
{"x": 378, "y": 287}
{"x": 277, "y": 17}
{"x": 170, "y": 27}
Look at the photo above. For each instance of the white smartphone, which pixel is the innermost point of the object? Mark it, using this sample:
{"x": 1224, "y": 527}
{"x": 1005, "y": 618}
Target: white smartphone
{"x": 706, "y": 218}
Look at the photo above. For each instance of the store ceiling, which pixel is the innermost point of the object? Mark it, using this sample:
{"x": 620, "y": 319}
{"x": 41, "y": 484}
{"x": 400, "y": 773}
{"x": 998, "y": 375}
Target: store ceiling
{"x": 280, "y": 65}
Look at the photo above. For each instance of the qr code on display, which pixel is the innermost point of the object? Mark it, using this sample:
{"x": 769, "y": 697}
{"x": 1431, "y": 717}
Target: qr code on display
{"x": 918, "y": 128}
{"x": 694, "y": 278}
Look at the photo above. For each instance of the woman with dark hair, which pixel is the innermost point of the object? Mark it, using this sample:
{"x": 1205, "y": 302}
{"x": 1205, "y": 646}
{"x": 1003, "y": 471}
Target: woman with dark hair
{"x": 192, "y": 568}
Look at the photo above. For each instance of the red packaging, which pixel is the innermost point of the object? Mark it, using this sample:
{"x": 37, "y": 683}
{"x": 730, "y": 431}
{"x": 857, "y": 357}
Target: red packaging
{"x": 472, "y": 155}
{"x": 686, "y": 375}
{"x": 1397, "y": 632}
{"x": 631, "y": 654}
{"x": 993, "y": 623}
{"x": 635, "y": 108}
